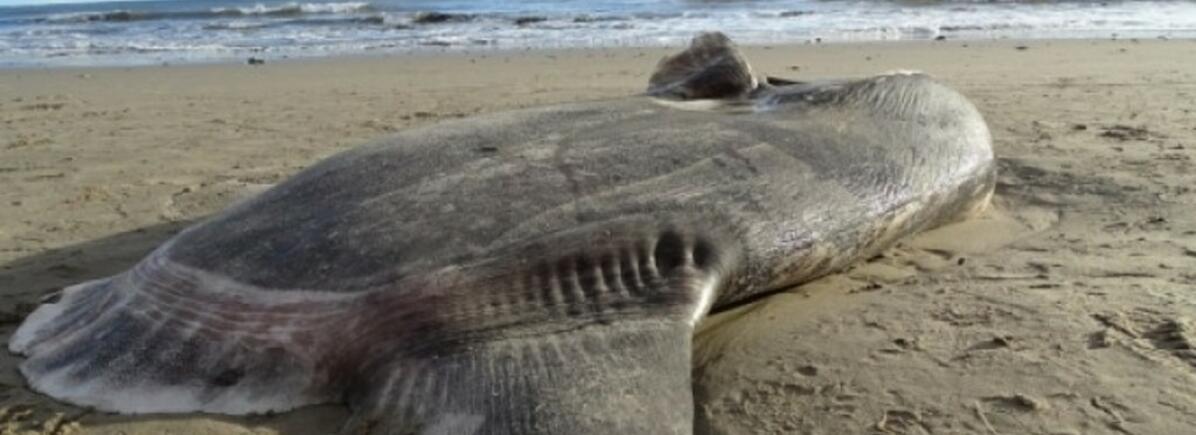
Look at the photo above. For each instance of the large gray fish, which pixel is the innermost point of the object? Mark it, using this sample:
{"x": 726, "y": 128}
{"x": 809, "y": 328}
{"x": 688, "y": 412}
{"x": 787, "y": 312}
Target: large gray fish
{"x": 530, "y": 272}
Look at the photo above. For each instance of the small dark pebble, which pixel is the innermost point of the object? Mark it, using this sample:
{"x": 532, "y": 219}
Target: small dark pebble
{"x": 1079, "y": 127}
{"x": 808, "y": 370}
{"x": 256, "y": 61}
{"x": 1099, "y": 340}
{"x": 488, "y": 148}
{"x": 1021, "y": 47}
{"x": 940, "y": 38}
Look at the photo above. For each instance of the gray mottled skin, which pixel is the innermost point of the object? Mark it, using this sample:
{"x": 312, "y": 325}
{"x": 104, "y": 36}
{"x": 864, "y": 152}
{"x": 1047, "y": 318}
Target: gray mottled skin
{"x": 529, "y": 272}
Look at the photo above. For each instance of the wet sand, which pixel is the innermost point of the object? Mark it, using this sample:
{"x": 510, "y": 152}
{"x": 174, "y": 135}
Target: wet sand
{"x": 1066, "y": 309}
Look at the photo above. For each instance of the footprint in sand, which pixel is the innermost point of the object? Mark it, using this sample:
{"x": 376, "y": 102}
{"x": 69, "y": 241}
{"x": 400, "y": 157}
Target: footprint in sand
{"x": 191, "y": 202}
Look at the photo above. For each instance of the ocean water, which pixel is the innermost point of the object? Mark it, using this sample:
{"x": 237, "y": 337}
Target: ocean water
{"x": 149, "y": 32}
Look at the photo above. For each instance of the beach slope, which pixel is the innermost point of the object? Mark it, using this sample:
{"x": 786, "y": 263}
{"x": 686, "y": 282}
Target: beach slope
{"x": 1067, "y": 308}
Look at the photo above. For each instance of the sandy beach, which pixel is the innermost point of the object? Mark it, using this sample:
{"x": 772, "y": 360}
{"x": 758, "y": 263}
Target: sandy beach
{"x": 1068, "y": 308}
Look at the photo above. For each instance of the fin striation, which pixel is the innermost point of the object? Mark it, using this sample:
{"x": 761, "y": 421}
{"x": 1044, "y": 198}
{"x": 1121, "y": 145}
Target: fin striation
{"x": 630, "y": 377}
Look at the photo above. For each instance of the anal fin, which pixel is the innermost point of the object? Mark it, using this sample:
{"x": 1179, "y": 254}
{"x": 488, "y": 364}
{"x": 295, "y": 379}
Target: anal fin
{"x": 628, "y": 377}
{"x": 599, "y": 342}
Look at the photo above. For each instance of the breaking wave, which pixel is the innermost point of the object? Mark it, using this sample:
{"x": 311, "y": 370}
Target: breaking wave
{"x": 288, "y": 9}
{"x": 168, "y": 31}
{"x": 294, "y": 9}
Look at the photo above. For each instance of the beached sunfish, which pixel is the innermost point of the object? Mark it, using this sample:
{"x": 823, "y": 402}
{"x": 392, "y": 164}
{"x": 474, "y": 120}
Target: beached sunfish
{"x": 537, "y": 271}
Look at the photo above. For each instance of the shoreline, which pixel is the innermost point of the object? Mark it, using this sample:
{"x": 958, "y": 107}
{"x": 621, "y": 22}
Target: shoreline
{"x": 471, "y": 52}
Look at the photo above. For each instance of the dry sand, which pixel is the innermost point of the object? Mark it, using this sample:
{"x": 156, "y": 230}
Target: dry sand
{"x": 1070, "y": 308}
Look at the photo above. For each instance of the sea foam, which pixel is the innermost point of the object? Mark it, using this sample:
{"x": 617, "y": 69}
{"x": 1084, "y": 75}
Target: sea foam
{"x": 163, "y": 31}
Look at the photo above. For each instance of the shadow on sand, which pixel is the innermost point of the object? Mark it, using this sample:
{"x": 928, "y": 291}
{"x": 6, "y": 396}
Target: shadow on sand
{"x": 45, "y": 273}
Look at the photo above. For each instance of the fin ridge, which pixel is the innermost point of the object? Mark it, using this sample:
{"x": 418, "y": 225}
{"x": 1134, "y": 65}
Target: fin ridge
{"x": 711, "y": 68}
{"x": 146, "y": 341}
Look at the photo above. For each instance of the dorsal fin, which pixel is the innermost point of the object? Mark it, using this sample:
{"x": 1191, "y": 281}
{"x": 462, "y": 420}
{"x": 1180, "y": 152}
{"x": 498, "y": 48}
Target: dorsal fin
{"x": 711, "y": 68}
